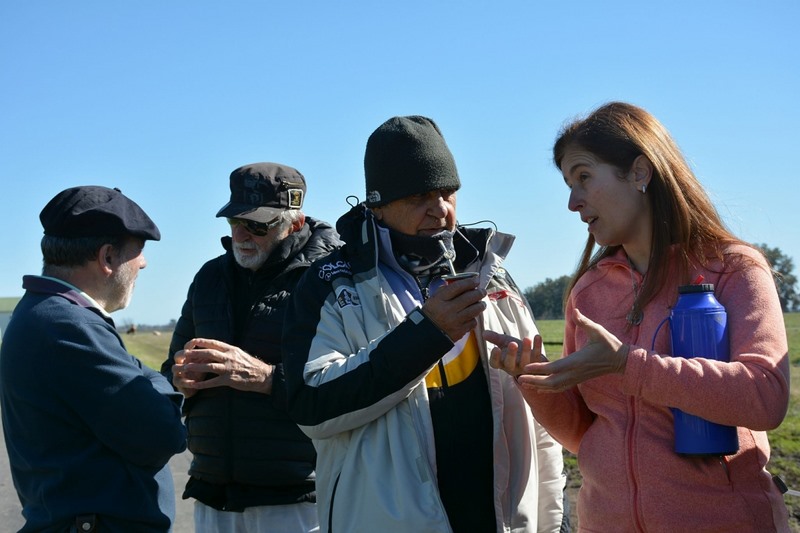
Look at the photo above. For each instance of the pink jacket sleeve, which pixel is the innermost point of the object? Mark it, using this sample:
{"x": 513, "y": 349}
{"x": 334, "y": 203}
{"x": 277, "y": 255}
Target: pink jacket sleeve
{"x": 753, "y": 389}
{"x": 565, "y": 415}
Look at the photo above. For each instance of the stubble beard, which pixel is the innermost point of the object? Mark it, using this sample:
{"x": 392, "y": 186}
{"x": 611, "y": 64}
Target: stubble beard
{"x": 122, "y": 284}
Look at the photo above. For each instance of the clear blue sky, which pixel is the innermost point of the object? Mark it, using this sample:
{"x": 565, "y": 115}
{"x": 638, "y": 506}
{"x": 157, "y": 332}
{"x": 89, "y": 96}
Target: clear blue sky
{"x": 164, "y": 99}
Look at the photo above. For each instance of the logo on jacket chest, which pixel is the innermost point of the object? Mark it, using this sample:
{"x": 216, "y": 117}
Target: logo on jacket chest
{"x": 346, "y": 296}
{"x": 329, "y": 270}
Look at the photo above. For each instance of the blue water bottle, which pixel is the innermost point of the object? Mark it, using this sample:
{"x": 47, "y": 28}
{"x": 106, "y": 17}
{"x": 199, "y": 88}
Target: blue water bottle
{"x": 699, "y": 328}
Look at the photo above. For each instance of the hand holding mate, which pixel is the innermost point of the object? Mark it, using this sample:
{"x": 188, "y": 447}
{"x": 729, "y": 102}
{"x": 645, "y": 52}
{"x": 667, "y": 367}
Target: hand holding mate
{"x": 455, "y": 307}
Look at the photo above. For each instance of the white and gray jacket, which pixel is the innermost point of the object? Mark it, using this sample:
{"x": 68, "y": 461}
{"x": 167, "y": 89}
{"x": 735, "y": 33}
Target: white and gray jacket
{"x": 355, "y": 365}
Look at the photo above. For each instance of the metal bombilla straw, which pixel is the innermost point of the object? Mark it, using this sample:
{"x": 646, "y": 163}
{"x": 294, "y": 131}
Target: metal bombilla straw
{"x": 449, "y": 255}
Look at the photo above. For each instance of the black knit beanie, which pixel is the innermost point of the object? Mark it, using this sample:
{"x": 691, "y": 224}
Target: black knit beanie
{"x": 407, "y": 156}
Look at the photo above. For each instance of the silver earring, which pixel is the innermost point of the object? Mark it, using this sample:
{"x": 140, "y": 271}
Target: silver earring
{"x": 644, "y": 188}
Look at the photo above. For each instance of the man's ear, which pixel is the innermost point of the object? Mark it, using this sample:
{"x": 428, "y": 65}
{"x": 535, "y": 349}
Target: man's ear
{"x": 642, "y": 170}
{"x": 106, "y": 258}
{"x": 298, "y": 224}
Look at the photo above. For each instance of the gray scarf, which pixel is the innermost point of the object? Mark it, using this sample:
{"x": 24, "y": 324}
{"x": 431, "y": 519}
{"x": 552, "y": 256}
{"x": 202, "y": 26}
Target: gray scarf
{"x": 423, "y": 256}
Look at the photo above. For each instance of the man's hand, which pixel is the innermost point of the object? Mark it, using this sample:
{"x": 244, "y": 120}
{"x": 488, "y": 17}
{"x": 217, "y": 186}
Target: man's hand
{"x": 455, "y": 307}
{"x": 512, "y": 355}
{"x": 207, "y": 363}
{"x": 603, "y": 354}
{"x": 182, "y": 379}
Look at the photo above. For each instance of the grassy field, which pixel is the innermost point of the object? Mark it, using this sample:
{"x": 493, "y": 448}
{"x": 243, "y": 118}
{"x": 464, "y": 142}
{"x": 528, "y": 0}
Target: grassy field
{"x": 150, "y": 347}
{"x": 785, "y": 441}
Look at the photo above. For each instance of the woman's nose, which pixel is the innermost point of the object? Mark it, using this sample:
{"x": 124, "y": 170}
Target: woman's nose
{"x": 575, "y": 201}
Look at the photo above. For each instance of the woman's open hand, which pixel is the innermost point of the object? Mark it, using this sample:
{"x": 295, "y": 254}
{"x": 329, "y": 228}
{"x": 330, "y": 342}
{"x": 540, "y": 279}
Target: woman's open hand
{"x": 603, "y": 354}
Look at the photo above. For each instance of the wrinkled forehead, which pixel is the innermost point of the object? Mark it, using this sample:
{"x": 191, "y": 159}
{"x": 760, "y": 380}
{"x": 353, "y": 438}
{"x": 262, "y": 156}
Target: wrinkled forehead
{"x": 576, "y": 157}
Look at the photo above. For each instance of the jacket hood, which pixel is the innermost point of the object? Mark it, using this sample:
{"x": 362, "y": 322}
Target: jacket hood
{"x": 315, "y": 239}
{"x": 357, "y": 228}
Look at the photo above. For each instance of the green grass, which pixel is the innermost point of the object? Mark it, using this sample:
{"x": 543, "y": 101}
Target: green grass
{"x": 785, "y": 440}
{"x": 552, "y": 332}
{"x": 8, "y": 304}
{"x": 151, "y": 348}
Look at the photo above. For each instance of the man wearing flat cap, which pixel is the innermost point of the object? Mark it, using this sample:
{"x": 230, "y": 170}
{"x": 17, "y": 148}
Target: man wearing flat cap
{"x": 387, "y": 369}
{"x": 89, "y": 429}
{"x": 252, "y": 468}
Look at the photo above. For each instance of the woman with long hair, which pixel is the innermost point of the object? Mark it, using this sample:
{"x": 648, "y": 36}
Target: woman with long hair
{"x": 610, "y": 399}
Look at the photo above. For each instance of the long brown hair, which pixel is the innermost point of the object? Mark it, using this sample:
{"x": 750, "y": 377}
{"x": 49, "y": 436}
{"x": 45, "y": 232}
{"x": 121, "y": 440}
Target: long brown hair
{"x": 683, "y": 215}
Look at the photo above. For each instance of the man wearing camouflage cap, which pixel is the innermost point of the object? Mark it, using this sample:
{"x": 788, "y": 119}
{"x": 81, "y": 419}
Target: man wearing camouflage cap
{"x": 89, "y": 429}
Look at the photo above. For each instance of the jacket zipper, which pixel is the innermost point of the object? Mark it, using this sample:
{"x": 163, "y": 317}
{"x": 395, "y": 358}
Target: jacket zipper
{"x": 424, "y": 290}
{"x": 632, "y": 469}
{"x": 333, "y": 499}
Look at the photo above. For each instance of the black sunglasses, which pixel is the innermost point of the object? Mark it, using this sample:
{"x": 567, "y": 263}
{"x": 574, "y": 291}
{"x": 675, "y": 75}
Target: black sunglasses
{"x": 256, "y": 228}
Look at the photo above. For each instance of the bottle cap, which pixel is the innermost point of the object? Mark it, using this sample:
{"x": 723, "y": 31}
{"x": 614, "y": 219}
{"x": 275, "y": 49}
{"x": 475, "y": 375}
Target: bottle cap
{"x": 702, "y": 287}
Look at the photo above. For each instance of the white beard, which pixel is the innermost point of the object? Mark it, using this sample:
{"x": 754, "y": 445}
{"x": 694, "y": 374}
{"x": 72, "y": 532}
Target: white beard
{"x": 250, "y": 262}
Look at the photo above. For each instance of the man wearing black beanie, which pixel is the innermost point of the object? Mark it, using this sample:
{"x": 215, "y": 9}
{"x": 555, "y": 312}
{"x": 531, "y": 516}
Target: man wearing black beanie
{"x": 387, "y": 370}
{"x": 407, "y": 156}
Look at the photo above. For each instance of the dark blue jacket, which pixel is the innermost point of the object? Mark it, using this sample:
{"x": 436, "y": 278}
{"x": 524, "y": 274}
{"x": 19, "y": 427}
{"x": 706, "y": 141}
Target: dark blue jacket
{"x": 88, "y": 428}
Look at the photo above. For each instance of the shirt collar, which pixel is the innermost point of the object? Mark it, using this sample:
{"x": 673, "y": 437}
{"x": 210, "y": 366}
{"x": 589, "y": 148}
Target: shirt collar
{"x": 50, "y": 285}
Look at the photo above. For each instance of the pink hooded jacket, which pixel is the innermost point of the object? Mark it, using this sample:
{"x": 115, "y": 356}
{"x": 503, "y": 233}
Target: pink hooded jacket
{"x": 621, "y": 427}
